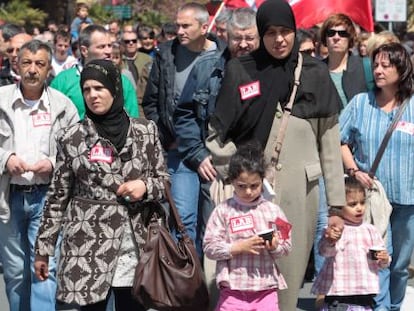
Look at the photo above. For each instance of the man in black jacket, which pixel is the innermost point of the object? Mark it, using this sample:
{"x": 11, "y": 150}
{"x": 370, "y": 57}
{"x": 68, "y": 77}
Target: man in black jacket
{"x": 172, "y": 65}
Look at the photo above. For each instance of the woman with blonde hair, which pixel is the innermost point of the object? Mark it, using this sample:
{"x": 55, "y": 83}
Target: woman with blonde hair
{"x": 380, "y": 38}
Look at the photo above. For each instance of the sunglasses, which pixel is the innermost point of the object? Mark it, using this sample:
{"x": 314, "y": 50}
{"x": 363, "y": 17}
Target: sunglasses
{"x": 308, "y": 51}
{"x": 341, "y": 33}
{"x": 130, "y": 41}
{"x": 11, "y": 50}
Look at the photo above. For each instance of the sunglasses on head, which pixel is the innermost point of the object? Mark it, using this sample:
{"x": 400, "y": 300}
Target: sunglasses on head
{"x": 341, "y": 33}
{"x": 130, "y": 41}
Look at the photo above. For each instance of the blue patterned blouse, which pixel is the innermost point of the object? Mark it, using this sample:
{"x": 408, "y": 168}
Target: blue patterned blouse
{"x": 363, "y": 125}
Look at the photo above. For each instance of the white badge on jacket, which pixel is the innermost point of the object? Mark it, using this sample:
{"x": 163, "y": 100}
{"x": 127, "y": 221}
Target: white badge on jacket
{"x": 249, "y": 90}
{"x": 406, "y": 127}
{"x": 101, "y": 154}
{"x": 241, "y": 223}
{"x": 41, "y": 119}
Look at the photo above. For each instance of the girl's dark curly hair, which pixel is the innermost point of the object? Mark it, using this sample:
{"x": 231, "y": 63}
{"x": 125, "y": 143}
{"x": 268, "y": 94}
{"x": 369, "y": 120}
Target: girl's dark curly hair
{"x": 249, "y": 158}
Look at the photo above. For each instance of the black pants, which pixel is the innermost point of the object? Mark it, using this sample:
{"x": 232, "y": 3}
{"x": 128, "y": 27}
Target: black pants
{"x": 123, "y": 301}
{"x": 341, "y": 303}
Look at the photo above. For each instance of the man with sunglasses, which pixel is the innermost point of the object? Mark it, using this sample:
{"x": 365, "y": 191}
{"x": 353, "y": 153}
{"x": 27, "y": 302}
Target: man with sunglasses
{"x": 9, "y": 74}
{"x": 137, "y": 62}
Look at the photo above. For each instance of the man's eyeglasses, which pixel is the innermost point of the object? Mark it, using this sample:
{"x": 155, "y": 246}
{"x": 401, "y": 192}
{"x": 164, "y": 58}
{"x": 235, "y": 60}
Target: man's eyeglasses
{"x": 132, "y": 41}
{"x": 341, "y": 33}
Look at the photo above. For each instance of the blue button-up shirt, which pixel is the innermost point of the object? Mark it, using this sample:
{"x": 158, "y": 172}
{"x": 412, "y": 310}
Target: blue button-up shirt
{"x": 363, "y": 125}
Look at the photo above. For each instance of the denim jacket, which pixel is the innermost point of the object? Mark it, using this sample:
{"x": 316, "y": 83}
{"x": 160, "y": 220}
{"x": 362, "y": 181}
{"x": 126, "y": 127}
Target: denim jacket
{"x": 197, "y": 104}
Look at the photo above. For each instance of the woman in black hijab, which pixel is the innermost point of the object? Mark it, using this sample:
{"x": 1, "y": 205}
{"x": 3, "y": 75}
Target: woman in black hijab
{"x": 107, "y": 166}
{"x": 250, "y": 105}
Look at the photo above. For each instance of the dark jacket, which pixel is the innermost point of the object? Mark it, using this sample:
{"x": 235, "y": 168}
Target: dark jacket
{"x": 5, "y": 74}
{"x": 158, "y": 101}
{"x": 353, "y": 78}
{"x": 197, "y": 104}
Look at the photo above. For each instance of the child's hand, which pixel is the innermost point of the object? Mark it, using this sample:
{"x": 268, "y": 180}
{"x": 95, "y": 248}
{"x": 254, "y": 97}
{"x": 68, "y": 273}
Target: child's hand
{"x": 383, "y": 257}
{"x": 333, "y": 234}
{"x": 252, "y": 245}
{"x": 271, "y": 246}
{"x": 336, "y": 222}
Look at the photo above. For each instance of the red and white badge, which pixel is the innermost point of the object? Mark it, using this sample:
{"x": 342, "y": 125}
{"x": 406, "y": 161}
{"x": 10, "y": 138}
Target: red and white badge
{"x": 406, "y": 127}
{"x": 101, "y": 154}
{"x": 241, "y": 223}
{"x": 249, "y": 90}
{"x": 41, "y": 119}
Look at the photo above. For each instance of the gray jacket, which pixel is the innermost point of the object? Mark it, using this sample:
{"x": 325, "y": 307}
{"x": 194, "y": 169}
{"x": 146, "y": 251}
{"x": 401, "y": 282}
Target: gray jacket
{"x": 63, "y": 114}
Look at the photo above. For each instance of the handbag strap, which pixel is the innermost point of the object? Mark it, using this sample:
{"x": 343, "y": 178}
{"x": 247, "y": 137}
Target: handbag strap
{"x": 173, "y": 209}
{"x": 386, "y": 139}
{"x": 174, "y": 212}
{"x": 287, "y": 112}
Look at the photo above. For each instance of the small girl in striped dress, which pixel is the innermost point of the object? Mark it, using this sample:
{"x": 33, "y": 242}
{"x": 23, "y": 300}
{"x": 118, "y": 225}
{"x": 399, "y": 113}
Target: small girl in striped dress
{"x": 246, "y": 270}
{"x": 354, "y": 254}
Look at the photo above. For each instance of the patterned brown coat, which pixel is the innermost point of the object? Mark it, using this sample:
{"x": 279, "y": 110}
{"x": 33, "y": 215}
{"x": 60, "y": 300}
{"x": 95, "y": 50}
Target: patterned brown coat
{"x": 82, "y": 205}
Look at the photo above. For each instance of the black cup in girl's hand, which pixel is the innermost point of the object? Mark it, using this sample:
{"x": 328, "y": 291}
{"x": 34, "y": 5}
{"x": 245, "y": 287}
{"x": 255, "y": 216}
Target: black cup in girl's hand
{"x": 374, "y": 250}
{"x": 267, "y": 235}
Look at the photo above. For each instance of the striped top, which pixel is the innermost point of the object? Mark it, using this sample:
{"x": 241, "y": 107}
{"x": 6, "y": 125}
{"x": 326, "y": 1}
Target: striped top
{"x": 363, "y": 126}
{"x": 347, "y": 269}
{"x": 231, "y": 221}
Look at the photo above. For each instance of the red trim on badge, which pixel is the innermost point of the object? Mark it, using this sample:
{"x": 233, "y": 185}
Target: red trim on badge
{"x": 101, "y": 154}
{"x": 250, "y": 90}
{"x": 41, "y": 119}
{"x": 241, "y": 223}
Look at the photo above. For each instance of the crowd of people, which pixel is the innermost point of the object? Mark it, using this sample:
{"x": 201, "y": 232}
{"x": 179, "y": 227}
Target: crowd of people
{"x": 253, "y": 122}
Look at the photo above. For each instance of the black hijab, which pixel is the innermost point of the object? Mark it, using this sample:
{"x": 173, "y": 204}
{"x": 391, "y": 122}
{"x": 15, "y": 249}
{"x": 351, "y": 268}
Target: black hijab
{"x": 316, "y": 95}
{"x": 114, "y": 124}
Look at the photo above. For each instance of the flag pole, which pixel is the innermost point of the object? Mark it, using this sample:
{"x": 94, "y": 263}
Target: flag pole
{"x": 215, "y": 16}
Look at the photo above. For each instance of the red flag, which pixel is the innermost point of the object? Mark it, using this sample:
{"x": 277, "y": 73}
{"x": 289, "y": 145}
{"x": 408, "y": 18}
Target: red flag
{"x": 283, "y": 228}
{"x": 234, "y": 4}
{"x": 308, "y": 13}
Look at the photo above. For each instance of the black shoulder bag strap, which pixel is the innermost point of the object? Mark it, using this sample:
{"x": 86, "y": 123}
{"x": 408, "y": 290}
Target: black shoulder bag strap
{"x": 386, "y": 138}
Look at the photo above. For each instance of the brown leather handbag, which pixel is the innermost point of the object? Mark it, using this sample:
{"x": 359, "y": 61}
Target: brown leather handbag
{"x": 169, "y": 275}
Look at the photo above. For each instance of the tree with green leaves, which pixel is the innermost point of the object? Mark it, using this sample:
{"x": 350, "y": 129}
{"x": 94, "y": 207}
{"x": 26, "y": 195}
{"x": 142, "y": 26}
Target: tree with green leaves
{"x": 20, "y": 12}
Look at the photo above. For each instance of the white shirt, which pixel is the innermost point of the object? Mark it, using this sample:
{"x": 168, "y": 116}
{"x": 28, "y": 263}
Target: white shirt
{"x": 60, "y": 66}
{"x": 32, "y": 121}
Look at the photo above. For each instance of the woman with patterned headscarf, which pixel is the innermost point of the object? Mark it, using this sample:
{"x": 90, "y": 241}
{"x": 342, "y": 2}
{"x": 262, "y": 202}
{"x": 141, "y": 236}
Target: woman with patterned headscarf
{"x": 108, "y": 166}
